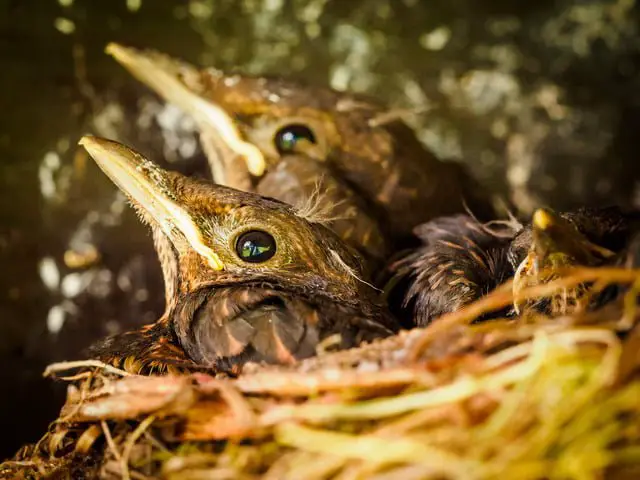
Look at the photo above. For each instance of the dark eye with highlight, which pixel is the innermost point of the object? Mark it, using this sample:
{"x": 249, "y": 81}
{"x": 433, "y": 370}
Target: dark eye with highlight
{"x": 255, "y": 246}
{"x": 287, "y": 137}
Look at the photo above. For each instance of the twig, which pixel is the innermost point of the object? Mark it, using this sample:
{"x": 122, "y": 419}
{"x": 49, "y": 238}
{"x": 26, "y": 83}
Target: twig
{"x": 76, "y": 409}
{"x": 111, "y": 444}
{"x": 155, "y": 442}
{"x": 129, "y": 444}
{"x": 62, "y": 366}
{"x": 301, "y": 384}
{"x": 78, "y": 376}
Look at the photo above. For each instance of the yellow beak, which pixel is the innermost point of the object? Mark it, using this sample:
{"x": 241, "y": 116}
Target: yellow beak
{"x": 149, "y": 188}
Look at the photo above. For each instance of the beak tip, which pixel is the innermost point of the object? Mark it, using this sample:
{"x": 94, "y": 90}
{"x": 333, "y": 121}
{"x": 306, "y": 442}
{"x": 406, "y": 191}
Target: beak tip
{"x": 86, "y": 140}
{"x": 104, "y": 151}
{"x": 114, "y": 49}
{"x": 93, "y": 144}
{"x": 126, "y": 56}
{"x": 542, "y": 219}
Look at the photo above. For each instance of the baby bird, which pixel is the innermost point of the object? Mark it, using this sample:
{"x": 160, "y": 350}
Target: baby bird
{"x": 246, "y": 278}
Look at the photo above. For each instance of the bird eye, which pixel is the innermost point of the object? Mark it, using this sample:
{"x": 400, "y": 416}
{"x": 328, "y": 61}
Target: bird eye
{"x": 287, "y": 137}
{"x": 255, "y": 246}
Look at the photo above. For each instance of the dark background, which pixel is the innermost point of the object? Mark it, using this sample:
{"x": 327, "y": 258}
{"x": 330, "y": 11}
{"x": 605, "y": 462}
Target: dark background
{"x": 541, "y": 99}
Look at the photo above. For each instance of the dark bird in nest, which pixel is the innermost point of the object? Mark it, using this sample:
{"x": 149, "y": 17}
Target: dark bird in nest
{"x": 461, "y": 259}
{"x": 246, "y": 277}
{"x": 374, "y": 179}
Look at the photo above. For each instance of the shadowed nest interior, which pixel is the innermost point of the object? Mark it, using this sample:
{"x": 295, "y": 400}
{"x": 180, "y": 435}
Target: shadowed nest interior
{"x": 525, "y": 398}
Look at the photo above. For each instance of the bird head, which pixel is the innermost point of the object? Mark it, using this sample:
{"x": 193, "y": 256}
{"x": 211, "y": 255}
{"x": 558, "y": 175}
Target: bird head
{"x": 555, "y": 245}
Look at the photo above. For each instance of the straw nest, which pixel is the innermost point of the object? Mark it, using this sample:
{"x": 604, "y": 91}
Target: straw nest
{"x": 527, "y": 398}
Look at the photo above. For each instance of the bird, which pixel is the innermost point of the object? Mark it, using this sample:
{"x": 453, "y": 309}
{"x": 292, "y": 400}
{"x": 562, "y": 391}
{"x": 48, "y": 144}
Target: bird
{"x": 247, "y": 279}
{"x": 255, "y": 130}
{"x": 461, "y": 259}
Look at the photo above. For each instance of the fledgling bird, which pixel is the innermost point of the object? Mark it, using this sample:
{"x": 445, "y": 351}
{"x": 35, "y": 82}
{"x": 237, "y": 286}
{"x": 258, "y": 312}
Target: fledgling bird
{"x": 461, "y": 259}
{"x": 246, "y": 277}
{"x": 375, "y": 170}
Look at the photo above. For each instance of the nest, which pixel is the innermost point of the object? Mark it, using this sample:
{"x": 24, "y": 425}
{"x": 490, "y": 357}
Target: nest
{"x": 527, "y": 398}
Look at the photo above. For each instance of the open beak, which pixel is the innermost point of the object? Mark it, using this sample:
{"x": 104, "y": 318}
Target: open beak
{"x": 179, "y": 83}
{"x": 151, "y": 190}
